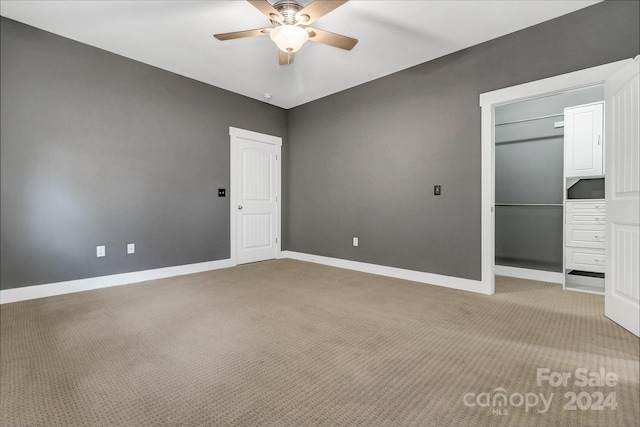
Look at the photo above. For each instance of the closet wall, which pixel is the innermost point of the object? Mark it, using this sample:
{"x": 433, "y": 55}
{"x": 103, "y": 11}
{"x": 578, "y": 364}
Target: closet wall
{"x": 529, "y": 181}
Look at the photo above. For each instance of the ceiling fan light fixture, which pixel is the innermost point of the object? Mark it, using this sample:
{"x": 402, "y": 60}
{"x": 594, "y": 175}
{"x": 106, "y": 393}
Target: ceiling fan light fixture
{"x": 289, "y": 38}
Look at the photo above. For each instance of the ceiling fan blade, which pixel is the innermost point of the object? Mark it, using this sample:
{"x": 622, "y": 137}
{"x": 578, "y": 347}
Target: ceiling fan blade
{"x": 286, "y": 58}
{"x": 242, "y": 34}
{"x": 265, "y": 7}
{"x": 332, "y": 39}
{"x": 317, "y": 9}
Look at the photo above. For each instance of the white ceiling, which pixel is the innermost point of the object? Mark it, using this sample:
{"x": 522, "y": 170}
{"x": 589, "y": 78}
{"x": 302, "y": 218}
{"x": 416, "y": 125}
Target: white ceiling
{"x": 177, "y": 36}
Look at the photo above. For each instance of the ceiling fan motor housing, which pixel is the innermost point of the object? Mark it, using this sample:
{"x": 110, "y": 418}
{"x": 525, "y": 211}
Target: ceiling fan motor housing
{"x": 288, "y": 9}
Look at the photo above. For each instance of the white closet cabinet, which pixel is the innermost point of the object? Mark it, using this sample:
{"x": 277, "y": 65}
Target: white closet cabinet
{"x": 584, "y": 132}
{"x": 584, "y": 227}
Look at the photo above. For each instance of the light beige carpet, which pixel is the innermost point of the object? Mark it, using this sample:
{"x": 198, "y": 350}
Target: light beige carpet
{"x": 288, "y": 343}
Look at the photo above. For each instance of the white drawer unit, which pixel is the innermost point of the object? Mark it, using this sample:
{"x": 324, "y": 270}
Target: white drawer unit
{"x": 585, "y": 218}
{"x": 585, "y": 239}
{"x": 585, "y": 259}
{"x": 585, "y": 236}
{"x": 584, "y": 229}
{"x": 594, "y": 206}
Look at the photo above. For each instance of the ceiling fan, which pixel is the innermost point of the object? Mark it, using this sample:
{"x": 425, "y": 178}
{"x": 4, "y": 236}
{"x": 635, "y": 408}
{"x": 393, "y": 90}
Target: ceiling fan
{"x": 291, "y": 26}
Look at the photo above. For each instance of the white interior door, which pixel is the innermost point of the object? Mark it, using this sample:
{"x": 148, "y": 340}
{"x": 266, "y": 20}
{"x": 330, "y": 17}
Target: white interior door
{"x": 255, "y": 188}
{"x": 622, "y": 154}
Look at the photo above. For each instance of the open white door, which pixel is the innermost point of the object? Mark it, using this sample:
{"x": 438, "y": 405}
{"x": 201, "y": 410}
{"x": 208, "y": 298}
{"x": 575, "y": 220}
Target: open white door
{"x": 622, "y": 157}
{"x": 255, "y": 205}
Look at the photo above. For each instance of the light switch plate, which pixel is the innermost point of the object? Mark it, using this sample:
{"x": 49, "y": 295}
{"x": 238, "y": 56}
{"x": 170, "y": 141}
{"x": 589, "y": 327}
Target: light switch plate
{"x": 131, "y": 248}
{"x": 101, "y": 251}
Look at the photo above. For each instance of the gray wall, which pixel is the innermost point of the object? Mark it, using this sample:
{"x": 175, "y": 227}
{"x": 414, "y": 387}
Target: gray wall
{"x": 100, "y": 149}
{"x": 363, "y": 162}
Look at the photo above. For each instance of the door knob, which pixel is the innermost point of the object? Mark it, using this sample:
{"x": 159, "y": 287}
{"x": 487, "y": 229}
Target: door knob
{"x": 239, "y": 207}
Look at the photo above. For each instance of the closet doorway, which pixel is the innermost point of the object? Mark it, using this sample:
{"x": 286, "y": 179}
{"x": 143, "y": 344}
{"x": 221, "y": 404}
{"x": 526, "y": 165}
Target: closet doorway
{"x": 530, "y": 185}
{"x": 489, "y": 101}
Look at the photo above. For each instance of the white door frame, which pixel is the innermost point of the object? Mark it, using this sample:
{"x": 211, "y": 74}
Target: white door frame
{"x": 235, "y": 133}
{"x": 488, "y": 102}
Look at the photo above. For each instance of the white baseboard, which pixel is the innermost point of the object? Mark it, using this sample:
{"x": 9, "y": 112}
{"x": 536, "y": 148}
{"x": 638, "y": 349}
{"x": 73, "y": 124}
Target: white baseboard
{"x": 398, "y": 273}
{"x": 525, "y": 273}
{"x": 59, "y": 288}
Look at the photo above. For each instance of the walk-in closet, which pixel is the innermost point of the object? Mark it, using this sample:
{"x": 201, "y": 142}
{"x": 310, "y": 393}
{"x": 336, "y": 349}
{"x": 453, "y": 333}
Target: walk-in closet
{"x": 531, "y": 182}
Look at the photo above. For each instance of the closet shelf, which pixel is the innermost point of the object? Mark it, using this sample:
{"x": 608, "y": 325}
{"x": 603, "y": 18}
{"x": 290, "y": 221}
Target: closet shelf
{"x": 530, "y": 119}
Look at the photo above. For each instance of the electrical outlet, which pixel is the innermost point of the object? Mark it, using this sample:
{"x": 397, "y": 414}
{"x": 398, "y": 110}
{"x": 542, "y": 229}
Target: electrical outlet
{"x": 101, "y": 251}
{"x": 131, "y": 248}
{"x": 355, "y": 241}
{"x": 437, "y": 190}
{"x": 222, "y": 192}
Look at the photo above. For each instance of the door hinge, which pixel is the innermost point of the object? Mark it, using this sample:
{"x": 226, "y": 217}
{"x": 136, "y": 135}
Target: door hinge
{"x": 276, "y": 240}
{"x": 276, "y": 157}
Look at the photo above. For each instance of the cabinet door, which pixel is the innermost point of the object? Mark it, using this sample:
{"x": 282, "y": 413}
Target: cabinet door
{"x": 583, "y": 133}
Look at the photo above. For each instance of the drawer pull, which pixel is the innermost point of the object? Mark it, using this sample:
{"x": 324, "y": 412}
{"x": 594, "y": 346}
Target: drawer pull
{"x": 599, "y": 238}
{"x": 598, "y": 261}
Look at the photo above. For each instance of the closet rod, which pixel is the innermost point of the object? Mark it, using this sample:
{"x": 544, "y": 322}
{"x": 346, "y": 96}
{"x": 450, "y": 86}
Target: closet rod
{"x": 542, "y": 205}
{"x": 531, "y": 119}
